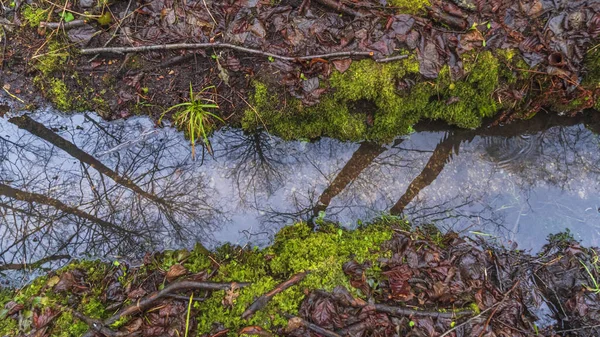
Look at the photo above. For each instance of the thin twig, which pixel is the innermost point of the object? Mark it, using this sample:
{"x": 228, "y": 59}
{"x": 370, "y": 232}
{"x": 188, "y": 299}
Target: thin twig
{"x": 468, "y": 321}
{"x": 390, "y": 59}
{"x": 125, "y": 16}
{"x": 220, "y": 45}
{"x": 62, "y": 24}
{"x": 401, "y": 311}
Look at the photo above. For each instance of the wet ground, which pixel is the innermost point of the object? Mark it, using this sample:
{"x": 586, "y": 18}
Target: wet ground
{"x": 79, "y": 186}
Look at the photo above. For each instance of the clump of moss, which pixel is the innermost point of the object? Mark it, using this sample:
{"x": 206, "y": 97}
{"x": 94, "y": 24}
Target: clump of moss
{"x": 296, "y": 249}
{"x": 34, "y": 15}
{"x": 592, "y": 65}
{"x": 410, "y": 6}
{"x": 53, "y": 59}
{"x": 398, "y": 104}
{"x": 59, "y": 94}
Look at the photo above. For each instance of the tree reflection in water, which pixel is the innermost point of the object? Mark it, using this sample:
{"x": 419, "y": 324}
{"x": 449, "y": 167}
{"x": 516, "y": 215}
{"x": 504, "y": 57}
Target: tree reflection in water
{"x": 72, "y": 186}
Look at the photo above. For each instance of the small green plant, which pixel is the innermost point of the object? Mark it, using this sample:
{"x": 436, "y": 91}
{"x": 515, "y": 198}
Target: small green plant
{"x": 194, "y": 118}
{"x": 595, "y": 287}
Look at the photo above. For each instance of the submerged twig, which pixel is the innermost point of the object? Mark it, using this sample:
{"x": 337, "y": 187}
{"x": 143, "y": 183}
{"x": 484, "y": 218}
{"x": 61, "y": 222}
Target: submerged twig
{"x": 262, "y": 301}
{"x": 35, "y": 264}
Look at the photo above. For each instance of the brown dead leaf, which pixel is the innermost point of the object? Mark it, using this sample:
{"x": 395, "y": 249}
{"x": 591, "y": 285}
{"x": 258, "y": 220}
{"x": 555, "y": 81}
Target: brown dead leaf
{"x": 256, "y": 331}
{"x": 342, "y": 65}
{"x": 230, "y": 296}
{"x": 134, "y": 325}
{"x": 66, "y": 283}
{"x": 136, "y": 293}
{"x": 175, "y": 272}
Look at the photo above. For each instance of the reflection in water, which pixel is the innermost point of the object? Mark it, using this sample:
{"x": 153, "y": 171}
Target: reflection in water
{"x": 77, "y": 185}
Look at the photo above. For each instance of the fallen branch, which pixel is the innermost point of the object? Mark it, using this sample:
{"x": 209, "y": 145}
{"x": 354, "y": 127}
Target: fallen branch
{"x": 146, "y": 302}
{"x": 262, "y": 301}
{"x": 345, "y": 298}
{"x": 149, "y": 300}
{"x": 216, "y": 45}
{"x": 96, "y": 325}
{"x": 65, "y": 25}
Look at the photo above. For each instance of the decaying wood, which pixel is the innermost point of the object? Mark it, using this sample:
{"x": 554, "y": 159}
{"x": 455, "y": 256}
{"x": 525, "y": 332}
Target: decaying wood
{"x": 262, "y": 301}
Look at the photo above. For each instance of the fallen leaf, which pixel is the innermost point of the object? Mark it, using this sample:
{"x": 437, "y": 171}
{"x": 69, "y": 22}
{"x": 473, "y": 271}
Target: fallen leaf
{"x": 175, "y": 272}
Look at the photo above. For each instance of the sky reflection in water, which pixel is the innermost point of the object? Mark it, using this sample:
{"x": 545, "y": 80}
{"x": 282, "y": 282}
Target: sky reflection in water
{"x": 79, "y": 186}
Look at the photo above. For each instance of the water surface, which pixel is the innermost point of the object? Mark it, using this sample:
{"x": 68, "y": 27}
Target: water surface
{"x": 80, "y": 186}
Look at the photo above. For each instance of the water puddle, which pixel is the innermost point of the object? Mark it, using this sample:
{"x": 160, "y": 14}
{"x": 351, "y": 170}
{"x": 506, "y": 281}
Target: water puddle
{"x": 79, "y": 186}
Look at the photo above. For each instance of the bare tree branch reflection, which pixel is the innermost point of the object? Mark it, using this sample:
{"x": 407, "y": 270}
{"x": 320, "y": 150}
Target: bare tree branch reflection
{"x": 56, "y": 200}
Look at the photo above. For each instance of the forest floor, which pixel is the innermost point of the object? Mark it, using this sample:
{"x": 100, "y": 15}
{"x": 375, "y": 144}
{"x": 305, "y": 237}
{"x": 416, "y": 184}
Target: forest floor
{"x": 382, "y": 279}
{"x": 304, "y": 69}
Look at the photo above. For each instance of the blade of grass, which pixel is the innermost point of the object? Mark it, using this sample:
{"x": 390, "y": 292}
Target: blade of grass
{"x": 187, "y": 319}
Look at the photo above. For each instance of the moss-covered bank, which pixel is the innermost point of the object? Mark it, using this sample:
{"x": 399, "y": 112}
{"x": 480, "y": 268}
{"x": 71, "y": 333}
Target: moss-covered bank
{"x": 471, "y": 75}
{"x": 395, "y": 100}
{"x": 387, "y": 262}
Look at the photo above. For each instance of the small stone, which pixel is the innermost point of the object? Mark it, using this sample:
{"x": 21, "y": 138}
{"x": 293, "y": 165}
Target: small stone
{"x": 86, "y": 3}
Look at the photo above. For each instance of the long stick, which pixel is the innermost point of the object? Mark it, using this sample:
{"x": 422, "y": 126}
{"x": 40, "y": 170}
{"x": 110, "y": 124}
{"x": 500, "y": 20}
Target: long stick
{"x": 173, "y": 46}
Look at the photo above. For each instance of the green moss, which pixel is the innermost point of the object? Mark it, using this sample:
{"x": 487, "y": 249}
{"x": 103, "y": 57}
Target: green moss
{"x": 53, "y": 59}
{"x": 296, "y": 249}
{"x": 410, "y": 6}
{"x": 59, "y": 94}
{"x": 592, "y": 66}
{"x": 464, "y": 102}
{"x": 68, "y": 326}
{"x": 34, "y": 15}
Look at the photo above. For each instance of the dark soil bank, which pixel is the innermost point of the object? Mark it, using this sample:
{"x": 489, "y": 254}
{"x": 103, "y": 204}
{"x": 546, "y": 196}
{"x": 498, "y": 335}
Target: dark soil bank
{"x": 302, "y": 69}
{"x": 384, "y": 279}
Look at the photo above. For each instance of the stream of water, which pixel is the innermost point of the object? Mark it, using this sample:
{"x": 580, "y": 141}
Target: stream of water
{"x": 80, "y": 186}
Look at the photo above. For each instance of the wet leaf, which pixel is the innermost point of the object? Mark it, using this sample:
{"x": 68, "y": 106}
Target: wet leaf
{"x": 12, "y": 308}
{"x": 325, "y": 314}
{"x": 134, "y": 325}
{"x": 42, "y": 319}
{"x": 81, "y": 35}
{"x": 137, "y": 293}
{"x": 342, "y": 65}
{"x": 66, "y": 283}
{"x": 176, "y": 271}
